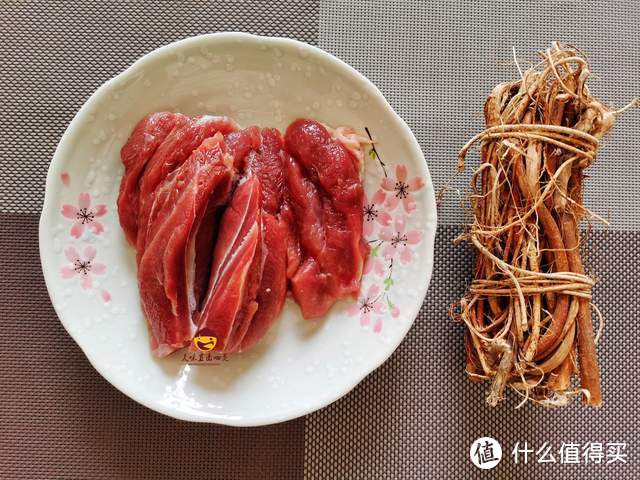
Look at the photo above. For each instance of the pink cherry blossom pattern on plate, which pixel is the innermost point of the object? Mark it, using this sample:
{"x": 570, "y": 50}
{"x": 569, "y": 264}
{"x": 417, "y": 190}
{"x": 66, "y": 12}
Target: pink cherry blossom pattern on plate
{"x": 400, "y": 189}
{"x": 373, "y": 212}
{"x": 83, "y": 266}
{"x": 65, "y": 179}
{"x": 84, "y": 215}
{"x": 367, "y": 305}
{"x": 375, "y": 265}
{"x": 377, "y": 326}
{"x": 397, "y": 240}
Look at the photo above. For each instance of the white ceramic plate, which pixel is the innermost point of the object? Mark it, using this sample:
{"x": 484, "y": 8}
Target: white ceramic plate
{"x": 301, "y": 365}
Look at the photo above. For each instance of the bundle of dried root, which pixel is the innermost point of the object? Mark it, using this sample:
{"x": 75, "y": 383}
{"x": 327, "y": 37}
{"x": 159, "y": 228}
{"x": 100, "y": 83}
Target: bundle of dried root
{"x": 528, "y": 309}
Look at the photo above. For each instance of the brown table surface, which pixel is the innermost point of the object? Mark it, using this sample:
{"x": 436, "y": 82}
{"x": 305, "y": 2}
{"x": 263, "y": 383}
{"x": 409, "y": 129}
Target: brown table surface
{"x": 417, "y": 415}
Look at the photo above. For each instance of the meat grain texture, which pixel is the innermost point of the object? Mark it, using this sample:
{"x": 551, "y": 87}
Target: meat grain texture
{"x": 225, "y": 221}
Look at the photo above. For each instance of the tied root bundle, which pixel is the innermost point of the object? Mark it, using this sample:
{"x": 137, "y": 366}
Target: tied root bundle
{"x": 528, "y": 310}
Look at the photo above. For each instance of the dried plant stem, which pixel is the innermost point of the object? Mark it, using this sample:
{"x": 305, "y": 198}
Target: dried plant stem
{"x": 589, "y": 370}
{"x": 528, "y": 309}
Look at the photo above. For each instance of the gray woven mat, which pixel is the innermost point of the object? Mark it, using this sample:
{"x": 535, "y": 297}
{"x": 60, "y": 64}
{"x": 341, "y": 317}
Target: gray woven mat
{"x": 416, "y": 416}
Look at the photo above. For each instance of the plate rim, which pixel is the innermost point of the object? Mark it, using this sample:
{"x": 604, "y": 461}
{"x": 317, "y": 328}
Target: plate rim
{"x": 78, "y": 121}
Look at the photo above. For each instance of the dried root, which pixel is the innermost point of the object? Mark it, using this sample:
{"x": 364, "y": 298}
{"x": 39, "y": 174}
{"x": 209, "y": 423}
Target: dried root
{"x": 528, "y": 311}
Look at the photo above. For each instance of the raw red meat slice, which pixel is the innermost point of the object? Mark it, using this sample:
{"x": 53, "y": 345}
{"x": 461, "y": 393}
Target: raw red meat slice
{"x": 146, "y": 137}
{"x": 166, "y": 269}
{"x": 268, "y": 165}
{"x": 239, "y": 144}
{"x": 203, "y": 249}
{"x": 294, "y": 254}
{"x": 236, "y": 270}
{"x": 175, "y": 149}
{"x": 311, "y": 287}
{"x": 296, "y": 215}
{"x": 273, "y": 285}
{"x": 326, "y": 199}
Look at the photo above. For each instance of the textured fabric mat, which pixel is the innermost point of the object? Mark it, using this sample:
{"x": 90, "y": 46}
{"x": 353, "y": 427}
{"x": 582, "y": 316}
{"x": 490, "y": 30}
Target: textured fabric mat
{"x": 416, "y": 416}
{"x": 56, "y": 54}
{"x": 436, "y": 62}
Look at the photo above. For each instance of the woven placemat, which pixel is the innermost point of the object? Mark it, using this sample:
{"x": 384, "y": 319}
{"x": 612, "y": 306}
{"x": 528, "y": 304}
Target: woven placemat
{"x": 417, "y": 415}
